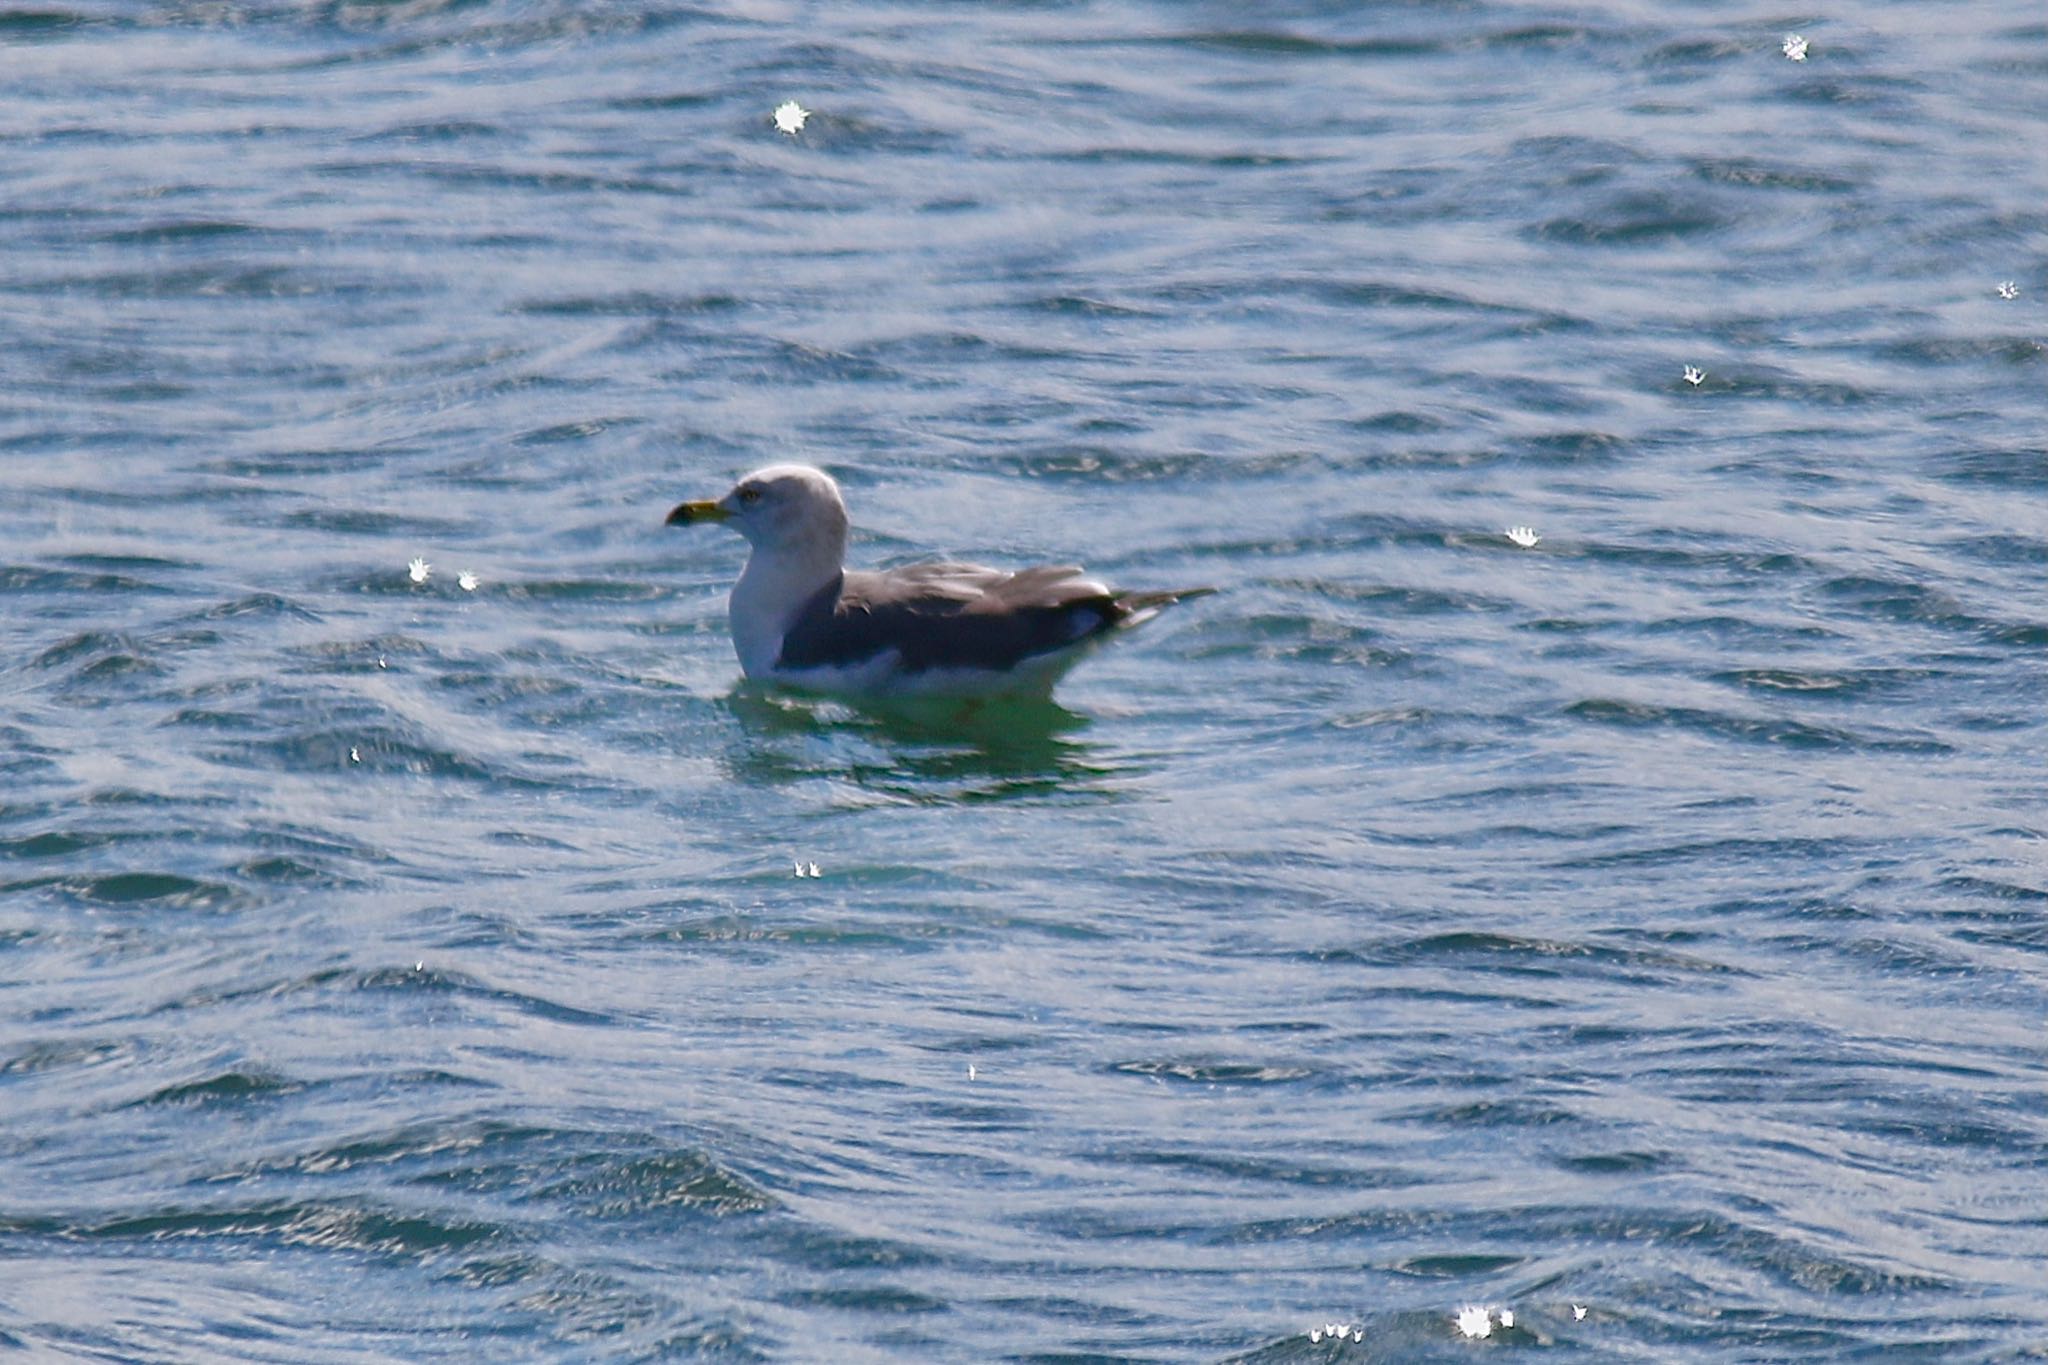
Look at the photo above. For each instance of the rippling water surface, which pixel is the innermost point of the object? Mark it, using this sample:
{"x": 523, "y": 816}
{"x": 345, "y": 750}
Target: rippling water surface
{"x": 1651, "y": 922}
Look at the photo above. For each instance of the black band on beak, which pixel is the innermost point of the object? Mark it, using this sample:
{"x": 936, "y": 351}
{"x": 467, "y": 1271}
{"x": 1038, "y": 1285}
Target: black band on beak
{"x": 690, "y": 513}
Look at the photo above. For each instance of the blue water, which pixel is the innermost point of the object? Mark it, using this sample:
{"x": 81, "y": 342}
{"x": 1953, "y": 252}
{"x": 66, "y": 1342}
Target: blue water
{"x": 1652, "y": 921}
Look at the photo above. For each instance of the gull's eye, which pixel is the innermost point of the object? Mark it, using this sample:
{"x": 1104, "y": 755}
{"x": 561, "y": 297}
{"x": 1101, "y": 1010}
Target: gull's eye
{"x": 750, "y": 496}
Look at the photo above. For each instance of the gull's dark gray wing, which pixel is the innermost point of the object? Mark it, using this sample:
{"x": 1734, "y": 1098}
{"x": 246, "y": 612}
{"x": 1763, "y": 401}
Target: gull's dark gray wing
{"x": 952, "y": 616}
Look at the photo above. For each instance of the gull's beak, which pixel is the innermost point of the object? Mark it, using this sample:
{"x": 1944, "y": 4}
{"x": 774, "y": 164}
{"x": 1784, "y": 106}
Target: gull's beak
{"x": 689, "y": 513}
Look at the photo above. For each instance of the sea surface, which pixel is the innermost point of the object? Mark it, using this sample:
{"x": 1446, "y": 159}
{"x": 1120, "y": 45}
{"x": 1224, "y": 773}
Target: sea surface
{"x": 1636, "y": 940}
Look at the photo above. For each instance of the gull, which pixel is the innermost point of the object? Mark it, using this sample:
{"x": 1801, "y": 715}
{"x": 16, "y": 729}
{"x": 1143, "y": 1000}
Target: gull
{"x": 801, "y": 618}
{"x": 466, "y": 580}
{"x": 2009, "y": 289}
{"x": 1507, "y": 1317}
{"x": 1578, "y": 1312}
{"x": 790, "y": 116}
{"x": 419, "y": 569}
{"x": 1524, "y": 536}
{"x": 1795, "y": 47}
{"x": 1694, "y": 375}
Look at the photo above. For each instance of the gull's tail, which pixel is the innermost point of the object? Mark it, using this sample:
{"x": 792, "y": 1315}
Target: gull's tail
{"x": 1136, "y": 608}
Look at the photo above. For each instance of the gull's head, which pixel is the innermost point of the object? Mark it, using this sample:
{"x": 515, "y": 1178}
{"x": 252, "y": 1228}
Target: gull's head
{"x": 790, "y": 505}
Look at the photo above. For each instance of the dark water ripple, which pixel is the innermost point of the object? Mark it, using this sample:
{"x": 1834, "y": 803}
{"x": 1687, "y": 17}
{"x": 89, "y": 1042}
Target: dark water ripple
{"x": 1651, "y": 921}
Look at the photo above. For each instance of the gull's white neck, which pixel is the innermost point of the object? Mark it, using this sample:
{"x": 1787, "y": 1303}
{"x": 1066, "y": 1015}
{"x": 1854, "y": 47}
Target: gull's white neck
{"x": 779, "y": 578}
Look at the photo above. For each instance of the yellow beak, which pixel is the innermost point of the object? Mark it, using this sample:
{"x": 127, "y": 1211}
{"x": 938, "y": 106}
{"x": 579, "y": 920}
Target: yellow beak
{"x": 688, "y": 513}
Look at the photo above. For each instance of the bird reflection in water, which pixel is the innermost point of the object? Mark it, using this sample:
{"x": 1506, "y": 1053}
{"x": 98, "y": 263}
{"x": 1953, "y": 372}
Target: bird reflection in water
{"x": 935, "y": 750}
